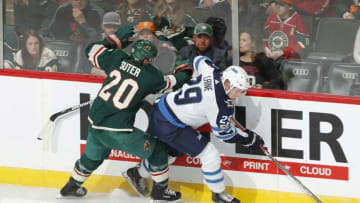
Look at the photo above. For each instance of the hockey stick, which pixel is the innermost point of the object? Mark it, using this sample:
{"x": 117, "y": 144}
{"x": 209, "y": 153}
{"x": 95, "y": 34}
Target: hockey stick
{"x": 48, "y": 128}
{"x": 267, "y": 153}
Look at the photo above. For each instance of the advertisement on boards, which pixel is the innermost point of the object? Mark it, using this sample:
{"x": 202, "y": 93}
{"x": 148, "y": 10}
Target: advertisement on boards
{"x": 314, "y": 139}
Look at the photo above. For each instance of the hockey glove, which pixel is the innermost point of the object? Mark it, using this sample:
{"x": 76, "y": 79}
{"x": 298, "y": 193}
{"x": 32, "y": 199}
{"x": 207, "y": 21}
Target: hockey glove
{"x": 254, "y": 140}
{"x": 124, "y": 33}
{"x": 184, "y": 68}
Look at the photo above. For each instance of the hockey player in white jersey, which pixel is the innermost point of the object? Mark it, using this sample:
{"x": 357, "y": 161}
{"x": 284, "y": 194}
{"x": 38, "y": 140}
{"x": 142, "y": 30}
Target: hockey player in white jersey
{"x": 206, "y": 98}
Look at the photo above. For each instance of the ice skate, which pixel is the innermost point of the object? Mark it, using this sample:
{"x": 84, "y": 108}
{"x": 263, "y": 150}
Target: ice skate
{"x": 72, "y": 190}
{"x": 136, "y": 181}
{"x": 164, "y": 195}
{"x": 224, "y": 197}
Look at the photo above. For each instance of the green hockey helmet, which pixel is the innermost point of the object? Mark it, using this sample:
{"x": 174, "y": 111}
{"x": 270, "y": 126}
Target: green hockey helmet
{"x": 143, "y": 49}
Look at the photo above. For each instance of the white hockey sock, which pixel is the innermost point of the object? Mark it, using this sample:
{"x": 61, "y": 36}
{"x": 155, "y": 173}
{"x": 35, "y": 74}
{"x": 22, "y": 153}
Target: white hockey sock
{"x": 211, "y": 168}
{"x": 144, "y": 170}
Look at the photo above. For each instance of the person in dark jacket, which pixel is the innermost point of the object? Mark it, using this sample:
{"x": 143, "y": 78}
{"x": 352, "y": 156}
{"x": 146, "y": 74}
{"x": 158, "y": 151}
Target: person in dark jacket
{"x": 33, "y": 14}
{"x": 76, "y": 21}
{"x": 250, "y": 15}
{"x": 203, "y": 46}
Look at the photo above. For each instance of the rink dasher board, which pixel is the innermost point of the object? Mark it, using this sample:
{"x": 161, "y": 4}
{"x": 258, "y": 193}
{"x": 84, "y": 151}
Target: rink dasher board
{"x": 30, "y": 97}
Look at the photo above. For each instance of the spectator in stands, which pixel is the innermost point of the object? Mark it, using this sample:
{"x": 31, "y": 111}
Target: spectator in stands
{"x": 335, "y": 8}
{"x": 172, "y": 23}
{"x": 249, "y": 16}
{"x": 207, "y": 3}
{"x": 134, "y": 11}
{"x": 267, "y": 7}
{"x": 33, "y": 14}
{"x": 77, "y": 21}
{"x": 96, "y": 5}
{"x": 353, "y": 12}
{"x": 203, "y": 46}
{"x": 11, "y": 46}
{"x": 271, "y": 8}
{"x": 166, "y": 57}
{"x": 34, "y": 56}
{"x": 286, "y": 34}
{"x": 111, "y": 23}
{"x": 60, "y": 2}
{"x": 108, "y": 5}
{"x": 219, "y": 29}
{"x": 256, "y": 64}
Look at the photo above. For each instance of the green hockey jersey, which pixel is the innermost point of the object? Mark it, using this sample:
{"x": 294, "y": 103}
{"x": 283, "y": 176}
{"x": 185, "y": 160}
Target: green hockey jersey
{"x": 126, "y": 85}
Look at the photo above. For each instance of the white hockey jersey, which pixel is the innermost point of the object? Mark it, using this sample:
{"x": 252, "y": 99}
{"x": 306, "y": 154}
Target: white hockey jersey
{"x": 200, "y": 101}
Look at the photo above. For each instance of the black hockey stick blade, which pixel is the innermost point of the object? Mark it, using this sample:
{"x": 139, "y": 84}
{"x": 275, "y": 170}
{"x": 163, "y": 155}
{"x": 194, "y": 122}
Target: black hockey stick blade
{"x": 54, "y": 116}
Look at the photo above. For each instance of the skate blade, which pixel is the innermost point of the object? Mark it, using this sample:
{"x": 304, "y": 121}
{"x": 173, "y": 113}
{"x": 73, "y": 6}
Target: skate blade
{"x": 164, "y": 201}
{"x": 67, "y": 197}
{"x": 124, "y": 174}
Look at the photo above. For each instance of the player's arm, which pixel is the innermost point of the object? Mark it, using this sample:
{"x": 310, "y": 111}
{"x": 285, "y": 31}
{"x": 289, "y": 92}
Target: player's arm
{"x": 101, "y": 53}
{"x": 203, "y": 64}
{"x": 226, "y": 131}
{"x": 181, "y": 75}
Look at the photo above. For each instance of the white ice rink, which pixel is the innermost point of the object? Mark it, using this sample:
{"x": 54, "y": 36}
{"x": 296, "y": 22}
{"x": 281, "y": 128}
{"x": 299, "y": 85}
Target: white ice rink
{"x": 22, "y": 194}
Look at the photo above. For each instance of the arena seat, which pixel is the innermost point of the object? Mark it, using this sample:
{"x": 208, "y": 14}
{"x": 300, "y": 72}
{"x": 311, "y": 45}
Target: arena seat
{"x": 342, "y": 78}
{"x": 302, "y": 75}
{"x": 334, "y": 40}
{"x": 68, "y": 54}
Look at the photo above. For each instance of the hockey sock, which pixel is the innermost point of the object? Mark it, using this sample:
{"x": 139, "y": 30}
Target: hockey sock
{"x": 160, "y": 174}
{"x": 158, "y": 165}
{"x": 144, "y": 169}
{"x": 211, "y": 168}
{"x": 83, "y": 169}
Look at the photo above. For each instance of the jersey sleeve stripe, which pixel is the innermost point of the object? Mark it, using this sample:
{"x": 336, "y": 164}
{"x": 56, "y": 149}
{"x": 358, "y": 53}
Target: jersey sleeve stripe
{"x": 115, "y": 39}
{"x": 110, "y": 42}
{"x": 165, "y": 111}
{"x": 170, "y": 82}
{"x": 220, "y": 137}
{"x": 227, "y": 136}
{"x": 95, "y": 51}
{"x": 221, "y": 130}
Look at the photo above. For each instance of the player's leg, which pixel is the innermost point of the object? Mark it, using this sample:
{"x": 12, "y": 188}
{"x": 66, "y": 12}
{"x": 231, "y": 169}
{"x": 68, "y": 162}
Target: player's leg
{"x": 159, "y": 170}
{"x": 147, "y": 147}
{"x": 137, "y": 181}
{"x": 212, "y": 172}
{"x": 93, "y": 157}
{"x": 143, "y": 166}
{"x": 187, "y": 140}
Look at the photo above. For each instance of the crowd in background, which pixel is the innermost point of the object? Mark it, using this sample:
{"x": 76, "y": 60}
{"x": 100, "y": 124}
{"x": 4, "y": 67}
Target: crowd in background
{"x": 270, "y": 31}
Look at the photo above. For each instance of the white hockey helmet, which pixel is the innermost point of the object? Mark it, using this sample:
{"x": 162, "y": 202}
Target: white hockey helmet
{"x": 237, "y": 77}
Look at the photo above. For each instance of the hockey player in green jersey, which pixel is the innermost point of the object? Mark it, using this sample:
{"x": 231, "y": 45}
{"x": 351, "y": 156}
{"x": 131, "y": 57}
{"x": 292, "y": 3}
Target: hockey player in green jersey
{"x": 112, "y": 115}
